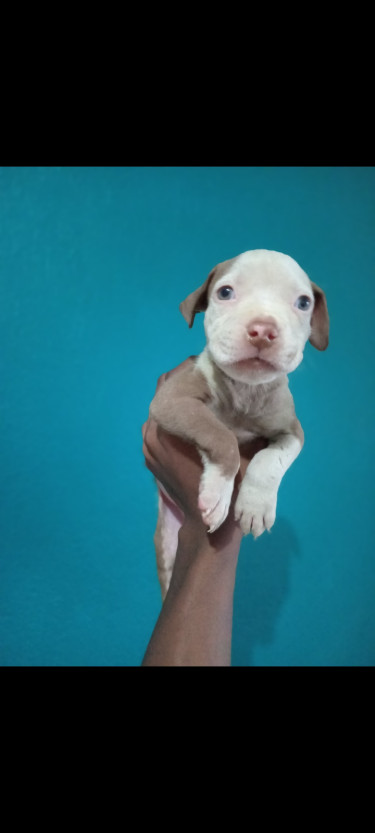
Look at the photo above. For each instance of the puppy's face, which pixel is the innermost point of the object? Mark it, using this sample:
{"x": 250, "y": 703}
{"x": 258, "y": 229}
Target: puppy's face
{"x": 259, "y": 313}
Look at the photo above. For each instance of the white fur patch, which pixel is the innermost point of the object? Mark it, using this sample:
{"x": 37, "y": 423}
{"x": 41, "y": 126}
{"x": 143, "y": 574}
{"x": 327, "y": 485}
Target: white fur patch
{"x": 215, "y": 493}
{"x": 255, "y": 507}
{"x": 265, "y": 284}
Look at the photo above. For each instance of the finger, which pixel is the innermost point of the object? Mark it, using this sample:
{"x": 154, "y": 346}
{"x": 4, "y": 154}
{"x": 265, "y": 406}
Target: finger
{"x": 151, "y": 445}
{"x": 147, "y": 442}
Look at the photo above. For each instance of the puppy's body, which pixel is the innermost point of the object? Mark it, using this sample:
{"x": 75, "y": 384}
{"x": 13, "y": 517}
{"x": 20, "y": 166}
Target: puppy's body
{"x": 261, "y": 308}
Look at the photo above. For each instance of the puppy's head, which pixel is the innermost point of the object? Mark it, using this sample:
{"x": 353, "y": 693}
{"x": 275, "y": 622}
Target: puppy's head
{"x": 260, "y": 310}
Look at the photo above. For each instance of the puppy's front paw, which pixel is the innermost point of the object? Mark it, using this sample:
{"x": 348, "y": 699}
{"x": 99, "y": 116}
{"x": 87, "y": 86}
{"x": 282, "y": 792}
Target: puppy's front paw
{"x": 215, "y": 492}
{"x": 255, "y": 509}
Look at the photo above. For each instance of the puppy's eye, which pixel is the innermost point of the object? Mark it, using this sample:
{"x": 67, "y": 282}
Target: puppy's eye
{"x": 225, "y": 293}
{"x": 303, "y": 302}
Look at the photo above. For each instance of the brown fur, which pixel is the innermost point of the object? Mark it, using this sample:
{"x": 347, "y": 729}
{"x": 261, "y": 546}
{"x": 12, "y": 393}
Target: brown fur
{"x": 320, "y": 320}
{"x": 181, "y": 408}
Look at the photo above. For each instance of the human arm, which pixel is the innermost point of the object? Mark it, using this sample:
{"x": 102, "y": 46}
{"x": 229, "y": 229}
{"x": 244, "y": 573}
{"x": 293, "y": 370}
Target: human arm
{"x": 194, "y": 627}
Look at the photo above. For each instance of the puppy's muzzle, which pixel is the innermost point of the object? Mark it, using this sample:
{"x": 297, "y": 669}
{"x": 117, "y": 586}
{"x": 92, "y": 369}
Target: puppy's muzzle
{"x": 262, "y": 332}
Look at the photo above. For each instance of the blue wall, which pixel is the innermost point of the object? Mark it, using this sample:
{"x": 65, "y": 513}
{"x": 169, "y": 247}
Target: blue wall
{"x": 93, "y": 265}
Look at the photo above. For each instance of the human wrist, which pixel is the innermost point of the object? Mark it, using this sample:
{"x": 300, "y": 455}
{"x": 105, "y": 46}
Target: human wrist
{"x": 195, "y": 537}
{"x": 205, "y": 563}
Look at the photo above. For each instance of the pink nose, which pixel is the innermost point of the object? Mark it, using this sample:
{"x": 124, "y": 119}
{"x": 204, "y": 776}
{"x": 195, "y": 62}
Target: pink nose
{"x": 262, "y": 332}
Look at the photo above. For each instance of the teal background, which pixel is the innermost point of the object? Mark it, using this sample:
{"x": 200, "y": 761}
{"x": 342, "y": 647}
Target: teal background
{"x": 93, "y": 265}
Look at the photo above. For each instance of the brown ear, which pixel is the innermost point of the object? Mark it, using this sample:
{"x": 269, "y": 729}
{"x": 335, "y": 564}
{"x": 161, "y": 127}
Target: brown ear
{"x": 197, "y": 301}
{"x": 319, "y": 320}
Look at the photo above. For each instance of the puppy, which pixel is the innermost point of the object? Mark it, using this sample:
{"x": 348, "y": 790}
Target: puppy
{"x": 260, "y": 310}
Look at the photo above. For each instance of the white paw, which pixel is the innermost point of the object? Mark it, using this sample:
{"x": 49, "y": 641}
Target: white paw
{"x": 255, "y": 509}
{"x": 215, "y": 492}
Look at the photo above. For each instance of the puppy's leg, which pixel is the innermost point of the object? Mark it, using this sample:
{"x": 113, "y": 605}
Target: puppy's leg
{"x": 170, "y": 520}
{"x": 215, "y": 492}
{"x": 190, "y": 418}
{"x": 255, "y": 507}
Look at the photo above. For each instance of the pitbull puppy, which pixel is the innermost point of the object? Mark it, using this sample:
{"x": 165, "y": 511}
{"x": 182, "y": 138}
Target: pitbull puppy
{"x": 260, "y": 310}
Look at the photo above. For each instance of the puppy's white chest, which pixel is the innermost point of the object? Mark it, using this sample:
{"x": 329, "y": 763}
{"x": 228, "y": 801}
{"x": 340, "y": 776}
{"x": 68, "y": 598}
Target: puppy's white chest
{"x": 244, "y": 435}
{"x": 260, "y": 413}
{"x": 243, "y": 425}
{"x": 249, "y": 411}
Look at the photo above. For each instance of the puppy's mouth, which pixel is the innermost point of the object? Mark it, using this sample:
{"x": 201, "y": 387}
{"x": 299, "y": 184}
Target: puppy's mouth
{"x": 253, "y": 364}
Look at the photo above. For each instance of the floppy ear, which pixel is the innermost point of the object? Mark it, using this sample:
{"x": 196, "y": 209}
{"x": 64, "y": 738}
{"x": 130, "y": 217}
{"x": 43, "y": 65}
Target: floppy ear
{"x": 197, "y": 301}
{"x": 319, "y": 320}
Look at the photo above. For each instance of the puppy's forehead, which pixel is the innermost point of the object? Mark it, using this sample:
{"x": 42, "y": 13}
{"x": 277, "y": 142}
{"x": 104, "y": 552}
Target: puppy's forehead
{"x": 264, "y": 267}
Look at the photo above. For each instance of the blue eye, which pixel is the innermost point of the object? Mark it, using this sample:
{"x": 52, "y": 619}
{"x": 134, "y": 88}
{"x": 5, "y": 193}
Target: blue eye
{"x": 225, "y": 293}
{"x": 303, "y": 302}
